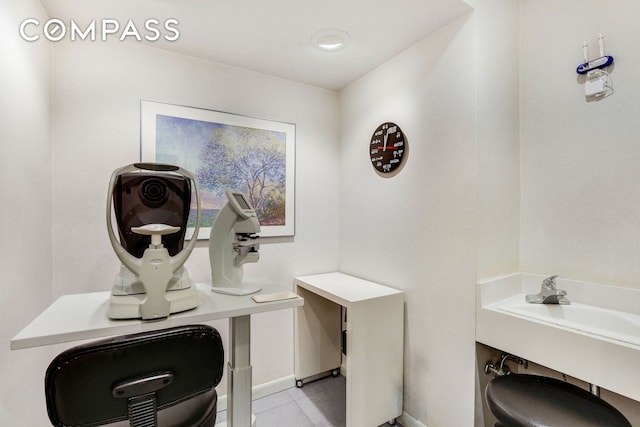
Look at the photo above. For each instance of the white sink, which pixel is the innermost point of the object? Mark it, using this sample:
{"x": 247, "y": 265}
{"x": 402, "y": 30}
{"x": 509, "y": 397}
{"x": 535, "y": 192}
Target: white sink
{"x": 596, "y": 338}
{"x": 607, "y": 323}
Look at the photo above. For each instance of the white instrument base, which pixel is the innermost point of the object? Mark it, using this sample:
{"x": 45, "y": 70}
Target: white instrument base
{"x": 128, "y": 306}
{"x": 235, "y": 291}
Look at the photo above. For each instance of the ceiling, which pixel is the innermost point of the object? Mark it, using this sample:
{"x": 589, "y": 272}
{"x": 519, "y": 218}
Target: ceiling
{"x": 274, "y": 36}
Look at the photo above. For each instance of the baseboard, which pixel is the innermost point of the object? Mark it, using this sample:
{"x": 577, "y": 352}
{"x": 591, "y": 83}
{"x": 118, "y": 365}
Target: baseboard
{"x": 408, "y": 421}
{"x": 263, "y": 390}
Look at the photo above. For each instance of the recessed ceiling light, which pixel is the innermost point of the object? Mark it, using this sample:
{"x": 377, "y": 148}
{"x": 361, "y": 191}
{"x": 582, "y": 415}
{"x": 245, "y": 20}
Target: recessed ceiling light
{"x": 330, "y": 39}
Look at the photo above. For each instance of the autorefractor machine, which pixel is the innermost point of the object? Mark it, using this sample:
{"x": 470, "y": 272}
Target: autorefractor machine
{"x": 151, "y": 204}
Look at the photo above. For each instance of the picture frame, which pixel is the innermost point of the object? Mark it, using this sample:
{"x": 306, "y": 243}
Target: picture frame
{"x": 226, "y": 151}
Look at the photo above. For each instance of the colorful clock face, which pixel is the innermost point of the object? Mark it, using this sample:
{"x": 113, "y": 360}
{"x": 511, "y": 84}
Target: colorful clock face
{"x": 388, "y": 148}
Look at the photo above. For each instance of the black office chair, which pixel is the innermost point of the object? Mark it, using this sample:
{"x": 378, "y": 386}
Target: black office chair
{"x": 520, "y": 400}
{"x": 158, "y": 378}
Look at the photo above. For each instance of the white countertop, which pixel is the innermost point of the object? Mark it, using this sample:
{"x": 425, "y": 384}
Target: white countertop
{"x": 345, "y": 289}
{"x": 84, "y": 316}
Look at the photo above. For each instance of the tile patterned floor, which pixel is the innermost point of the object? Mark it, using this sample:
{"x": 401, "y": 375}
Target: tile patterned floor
{"x": 317, "y": 404}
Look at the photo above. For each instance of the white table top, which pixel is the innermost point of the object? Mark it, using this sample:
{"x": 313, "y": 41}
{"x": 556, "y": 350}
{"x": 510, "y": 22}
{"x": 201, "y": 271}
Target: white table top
{"x": 343, "y": 288}
{"x": 84, "y": 316}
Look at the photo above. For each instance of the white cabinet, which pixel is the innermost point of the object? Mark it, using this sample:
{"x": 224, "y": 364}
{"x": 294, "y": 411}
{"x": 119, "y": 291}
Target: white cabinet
{"x": 374, "y": 332}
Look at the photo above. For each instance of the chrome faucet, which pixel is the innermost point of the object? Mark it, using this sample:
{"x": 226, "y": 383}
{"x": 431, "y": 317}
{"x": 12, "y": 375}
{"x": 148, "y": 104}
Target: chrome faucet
{"x": 549, "y": 293}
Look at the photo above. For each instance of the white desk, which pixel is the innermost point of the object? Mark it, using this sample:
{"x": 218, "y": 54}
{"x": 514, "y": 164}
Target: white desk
{"x": 374, "y": 342}
{"x": 84, "y": 316}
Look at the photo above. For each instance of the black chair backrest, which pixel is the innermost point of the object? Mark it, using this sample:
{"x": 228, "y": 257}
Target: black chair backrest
{"x": 97, "y": 383}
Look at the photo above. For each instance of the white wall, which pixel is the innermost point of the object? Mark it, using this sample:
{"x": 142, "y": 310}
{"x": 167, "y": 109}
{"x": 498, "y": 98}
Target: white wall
{"x": 498, "y": 239}
{"x": 416, "y": 231}
{"x": 580, "y": 173}
{"x": 25, "y": 222}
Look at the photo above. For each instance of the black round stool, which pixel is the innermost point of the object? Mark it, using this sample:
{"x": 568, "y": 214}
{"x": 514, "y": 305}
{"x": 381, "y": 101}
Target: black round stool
{"x": 518, "y": 400}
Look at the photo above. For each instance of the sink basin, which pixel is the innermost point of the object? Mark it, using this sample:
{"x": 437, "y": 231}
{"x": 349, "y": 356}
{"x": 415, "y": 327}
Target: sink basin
{"x": 581, "y": 317}
{"x": 596, "y": 338}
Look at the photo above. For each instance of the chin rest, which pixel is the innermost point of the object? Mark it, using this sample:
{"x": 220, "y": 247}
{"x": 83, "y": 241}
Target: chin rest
{"x": 165, "y": 377}
{"x": 519, "y": 400}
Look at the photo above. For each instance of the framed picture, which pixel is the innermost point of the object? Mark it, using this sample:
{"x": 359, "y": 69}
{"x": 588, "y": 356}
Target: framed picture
{"x": 226, "y": 152}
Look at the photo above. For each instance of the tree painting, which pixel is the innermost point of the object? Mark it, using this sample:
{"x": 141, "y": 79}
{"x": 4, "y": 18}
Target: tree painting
{"x": 227, "y": 157}
{"x": 251, "y": 161}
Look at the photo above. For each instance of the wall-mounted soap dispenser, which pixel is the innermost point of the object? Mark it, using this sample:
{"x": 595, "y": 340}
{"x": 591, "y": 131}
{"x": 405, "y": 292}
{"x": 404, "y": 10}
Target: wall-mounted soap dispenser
{"x": 598, "y": 80}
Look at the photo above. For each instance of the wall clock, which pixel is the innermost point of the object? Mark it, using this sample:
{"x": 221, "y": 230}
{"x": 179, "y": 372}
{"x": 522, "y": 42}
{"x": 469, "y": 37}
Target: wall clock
{"x": 388, "y": 149}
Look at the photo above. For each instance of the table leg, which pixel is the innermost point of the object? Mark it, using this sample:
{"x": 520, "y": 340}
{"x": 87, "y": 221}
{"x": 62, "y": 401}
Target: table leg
{"x": 239, "y": 372}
